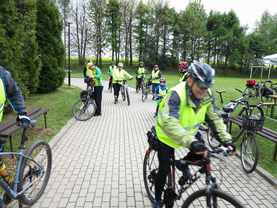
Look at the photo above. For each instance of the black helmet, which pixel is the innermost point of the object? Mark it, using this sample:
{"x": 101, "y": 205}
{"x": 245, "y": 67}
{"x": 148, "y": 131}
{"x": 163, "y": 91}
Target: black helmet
{"x": 202, "y": 73}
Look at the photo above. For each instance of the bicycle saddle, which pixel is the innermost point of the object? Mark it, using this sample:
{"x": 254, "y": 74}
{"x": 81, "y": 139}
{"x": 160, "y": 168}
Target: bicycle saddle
{"x": 220, "y": 92}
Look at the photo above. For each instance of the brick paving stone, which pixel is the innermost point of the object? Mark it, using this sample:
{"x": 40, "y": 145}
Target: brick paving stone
{"x": 98, "y": 162}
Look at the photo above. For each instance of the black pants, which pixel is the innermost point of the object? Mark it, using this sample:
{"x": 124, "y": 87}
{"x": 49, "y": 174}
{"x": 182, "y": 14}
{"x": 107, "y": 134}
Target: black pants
{"x": 116, "y": 88}
{"x": 98, "y": 98}
{"x": 111, "y": 81}
{"x": 165, "y": 153}
{"x": 138, "y": 83}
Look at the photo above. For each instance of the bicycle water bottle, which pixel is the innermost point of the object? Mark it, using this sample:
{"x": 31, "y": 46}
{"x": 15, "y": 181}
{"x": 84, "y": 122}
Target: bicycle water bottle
{"x": 4, "y": 173}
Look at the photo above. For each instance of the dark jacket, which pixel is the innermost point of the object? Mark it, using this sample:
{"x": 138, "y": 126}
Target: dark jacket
{"x": 13, "y": 92}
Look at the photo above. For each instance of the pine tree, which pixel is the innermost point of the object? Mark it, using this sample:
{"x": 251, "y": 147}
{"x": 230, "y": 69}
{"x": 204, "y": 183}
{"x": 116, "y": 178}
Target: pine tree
{"x": 51, "y": 48}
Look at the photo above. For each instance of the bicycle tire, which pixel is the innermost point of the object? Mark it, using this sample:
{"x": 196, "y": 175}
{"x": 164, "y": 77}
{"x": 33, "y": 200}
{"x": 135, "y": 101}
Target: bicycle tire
{"x": 249, "y": 153}
{"x": 252, "y": 110}
{"x": 39, "y": 151}
{"x": 251, "y": 93}
{"x": 128, "y": 96}
{"x": 264, "y": 96}
{"x": 150, "y": 170}
{"x": 123, "y": 94}
{"x": 84, "y": 110}
{"x": 144, "y": 95}
{"x": 227, "y": 199}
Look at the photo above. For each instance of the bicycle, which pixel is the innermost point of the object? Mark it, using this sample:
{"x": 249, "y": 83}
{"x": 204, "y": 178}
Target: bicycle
{"x": 140, "y": 86}
{"x": 146, "y": 88}
{"x": 85, "y": 107}
{"x": 253, "y": 91}
{"x": 253, "y": 119}
{"x": 125, "y": 91}
{"x": 32, "y": 171}
{"x": 211, "y": 196}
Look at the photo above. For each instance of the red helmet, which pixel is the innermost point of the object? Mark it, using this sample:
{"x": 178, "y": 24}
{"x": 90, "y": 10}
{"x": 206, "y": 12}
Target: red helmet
{"x": 183, "y": 64}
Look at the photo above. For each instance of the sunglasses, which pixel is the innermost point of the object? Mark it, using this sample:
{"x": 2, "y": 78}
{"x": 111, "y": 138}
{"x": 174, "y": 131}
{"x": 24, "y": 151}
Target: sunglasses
{"x": 201, "y": 86}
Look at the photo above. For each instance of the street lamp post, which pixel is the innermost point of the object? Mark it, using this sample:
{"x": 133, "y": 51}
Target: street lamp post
{"x": 68, "y": 52}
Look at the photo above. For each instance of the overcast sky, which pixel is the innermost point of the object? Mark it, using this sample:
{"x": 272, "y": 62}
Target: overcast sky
{"x": 248, "y": 11}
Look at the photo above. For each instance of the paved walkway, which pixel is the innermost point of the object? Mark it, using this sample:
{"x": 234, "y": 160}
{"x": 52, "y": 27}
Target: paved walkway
{"x": 98, "y": 163}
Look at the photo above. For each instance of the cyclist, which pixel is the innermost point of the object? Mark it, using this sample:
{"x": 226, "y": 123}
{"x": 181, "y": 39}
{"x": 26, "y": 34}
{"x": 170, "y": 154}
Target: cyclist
{"x": 160, "y": 92}
{"x": 95, "y": 74}
{"x": 180, "y": 114}
{"x": 156, "y": 76}
{"x": 110, "y": 73}
{"x": 183, "y": 68}
{"x": 118, "y": 75}
{"x": 141, "y": 69}
{"x": 10, "y": 91}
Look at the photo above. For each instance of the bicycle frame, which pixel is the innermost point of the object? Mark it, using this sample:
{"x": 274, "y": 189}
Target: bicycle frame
{"x": 13, "y": 192}
{"x": 205, "y": 165}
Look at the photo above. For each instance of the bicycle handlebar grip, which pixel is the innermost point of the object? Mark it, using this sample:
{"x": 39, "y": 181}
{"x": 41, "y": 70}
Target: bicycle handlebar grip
{"x": 2, "y": 141}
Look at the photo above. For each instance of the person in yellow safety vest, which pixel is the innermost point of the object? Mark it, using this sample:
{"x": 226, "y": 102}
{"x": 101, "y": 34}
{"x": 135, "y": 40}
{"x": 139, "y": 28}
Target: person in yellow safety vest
{"x": 180, "y": 114}
{"x": 160, "y": 92}
{"x": 140, "y": 71}
{"x": 11, "y": 92}
{"x": 118, "y": 75}
{"x": 183, "y": 67}
{"x": 95, "y": 74}
{"x": 110, "y": 73}
{"x": 156, "y": 76}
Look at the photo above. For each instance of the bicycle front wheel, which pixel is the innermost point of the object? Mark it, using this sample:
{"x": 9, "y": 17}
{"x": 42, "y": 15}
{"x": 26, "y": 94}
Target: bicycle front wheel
{"x": 249, "y": 153}
{"x": 84, "y": 110}
{"x": 252, "y": 110}
{"x": 111, "y": 88}
{"x": 223, "y": 200}
{"x": 40, "y": 152}
{"x": 128, "y": 95}
{"x": 150, "y": 170}
{"x": 251, "y": 93}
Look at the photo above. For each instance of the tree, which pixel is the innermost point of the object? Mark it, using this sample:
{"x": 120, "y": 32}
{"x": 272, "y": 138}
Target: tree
{"x": 97, "y": 17}
{"x": 81, "y": 30}
{"x": 12, "y": 37}
{"x": 30, "y": 63}
{"x": 51, "y": 48}
{"x": 64, "y": 10}
{"x": 113, "y": 25}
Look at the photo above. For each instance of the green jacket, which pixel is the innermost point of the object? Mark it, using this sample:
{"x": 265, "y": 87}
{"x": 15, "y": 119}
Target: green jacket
{"x": 179, "y": 118}
{"x": 96, "y": 72}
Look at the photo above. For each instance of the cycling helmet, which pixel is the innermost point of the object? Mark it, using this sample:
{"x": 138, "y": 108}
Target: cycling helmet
{"x": 112, "y": 62}
{"x": 141, "y": 62}
{"x": 156, "y": 66}
{"x": 183, "y": 64}
{"x": 162, "y": 80}
{"x": 202, "y": 73}
{"x": 120, "y": 64}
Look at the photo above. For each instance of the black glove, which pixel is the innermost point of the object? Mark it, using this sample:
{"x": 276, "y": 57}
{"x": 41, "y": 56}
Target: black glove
{"x": 229, "y": 143}
{"x": 198, "y": 146}
{"x": 23, "y": 118}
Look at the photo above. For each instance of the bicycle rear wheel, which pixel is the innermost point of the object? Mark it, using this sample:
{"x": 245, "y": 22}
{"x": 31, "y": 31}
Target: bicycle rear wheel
{"x": 223, "y": 199}
{"x": 150, "y": 170}
{"x": 84, "y": 110}
{"x": 40, "y": 152}
{"x": 249, "y": 153}
{"x": 251, "y": 93}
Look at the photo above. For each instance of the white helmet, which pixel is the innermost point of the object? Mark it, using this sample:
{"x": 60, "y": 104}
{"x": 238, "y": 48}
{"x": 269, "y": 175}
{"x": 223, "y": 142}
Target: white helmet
{"x": 120, "y": 64}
